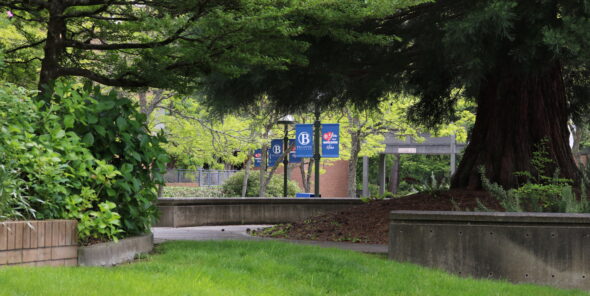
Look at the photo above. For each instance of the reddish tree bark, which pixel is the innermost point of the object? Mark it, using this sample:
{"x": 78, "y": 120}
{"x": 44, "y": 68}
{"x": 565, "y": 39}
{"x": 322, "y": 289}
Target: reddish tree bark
{"x": 515, "y": 113}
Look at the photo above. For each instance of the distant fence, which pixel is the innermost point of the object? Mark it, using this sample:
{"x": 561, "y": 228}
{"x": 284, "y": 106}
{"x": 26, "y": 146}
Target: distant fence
{"x": 198, "y": 177}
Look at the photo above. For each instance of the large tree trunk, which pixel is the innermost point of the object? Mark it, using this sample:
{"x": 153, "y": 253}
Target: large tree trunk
{"x": 54, "y": 47}
{"x": 514, "y": 114}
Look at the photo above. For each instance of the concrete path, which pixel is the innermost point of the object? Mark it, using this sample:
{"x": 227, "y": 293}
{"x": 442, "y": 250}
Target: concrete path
{"x": 239, "y": 232}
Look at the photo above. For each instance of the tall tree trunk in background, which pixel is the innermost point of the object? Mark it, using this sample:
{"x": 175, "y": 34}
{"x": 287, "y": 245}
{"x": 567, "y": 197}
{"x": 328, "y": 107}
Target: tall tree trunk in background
{"x": 303, "y": 176}
{"x": 263, "y": 165}
{"x": 394, "y": 184}
{"x": 514, "y": 114}
{"x": 310, "y": 165}
{"x": 306, "y": 175}
{"x": 143, "y": 104}
{"x": 246, "y": 175}
{"x": 355, "y": 148}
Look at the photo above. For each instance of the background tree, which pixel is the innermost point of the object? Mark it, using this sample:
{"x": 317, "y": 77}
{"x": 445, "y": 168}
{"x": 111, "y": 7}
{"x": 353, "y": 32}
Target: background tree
{"x": 363, "y": 132}
{"x": 509, "y": 56}
{"x": 169, "y": 43}
{"x": 166, "y": 44}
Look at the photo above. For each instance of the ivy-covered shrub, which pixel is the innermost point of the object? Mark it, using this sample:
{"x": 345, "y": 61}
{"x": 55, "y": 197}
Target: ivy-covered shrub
{"x": 116, "y": 132}
{"x": 233, "y": 185}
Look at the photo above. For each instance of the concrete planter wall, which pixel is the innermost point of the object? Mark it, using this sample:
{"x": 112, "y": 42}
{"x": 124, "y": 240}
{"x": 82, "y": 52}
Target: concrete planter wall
{"x": 113, "y": 253}
{"x": 224, "y": 211}
{"x": 541, "y": 248}
{"x": 37, "y": 243}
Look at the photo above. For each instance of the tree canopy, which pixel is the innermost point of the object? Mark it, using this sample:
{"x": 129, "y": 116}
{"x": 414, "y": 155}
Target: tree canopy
{"x": 171, "y": 44}
{"x": 523, "y": 62}
{"x": 520, "y": 61}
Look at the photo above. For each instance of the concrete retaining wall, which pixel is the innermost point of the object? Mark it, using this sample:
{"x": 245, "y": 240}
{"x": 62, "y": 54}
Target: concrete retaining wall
{"x": 112, "y": 253}
{"x": 541, "y": 248}
{"x": 227, "y": 211}
{"x": 37, "y": 243}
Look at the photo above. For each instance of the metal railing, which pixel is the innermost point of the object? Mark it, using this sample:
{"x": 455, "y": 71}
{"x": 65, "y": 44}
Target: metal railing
{"x": 200, "y": 177}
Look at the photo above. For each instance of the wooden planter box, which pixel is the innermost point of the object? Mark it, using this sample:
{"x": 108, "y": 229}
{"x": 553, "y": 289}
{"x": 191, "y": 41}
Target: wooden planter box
{"x": 541, "y": 248}
{"x": 37, "y": 243}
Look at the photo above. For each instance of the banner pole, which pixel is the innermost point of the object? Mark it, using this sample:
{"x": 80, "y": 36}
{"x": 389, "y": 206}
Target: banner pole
{"x": 317, "y": 156}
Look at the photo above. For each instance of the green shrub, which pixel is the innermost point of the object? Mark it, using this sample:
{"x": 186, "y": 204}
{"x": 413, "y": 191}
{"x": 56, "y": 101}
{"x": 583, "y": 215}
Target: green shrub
{"x": 79, "y": 155}
{"x": 233, "y": 185}
{"x": 45, "y": 166}
{"x": 116, "y": 132}
{"x": 181, "y": 191}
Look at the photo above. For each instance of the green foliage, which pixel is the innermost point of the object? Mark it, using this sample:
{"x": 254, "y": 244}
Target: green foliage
{"x": 101, "y": 224}
{"x": 115, "y": 132}
{"x": 204, "y": 191}
{"x": 432, "y": 185}
{"x": 57, "y": 176}
{"x": 173, "y": 44}
{"x": 540, "y": 193}
{"x": 13, "y": 205}
{"x": 233, "y": 185}
{"x": 83, "y": 156}
{"x": 415, "y": 173}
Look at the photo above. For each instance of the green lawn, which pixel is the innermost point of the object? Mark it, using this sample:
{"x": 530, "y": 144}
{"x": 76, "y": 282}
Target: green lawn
{"x": 253, "y": 268}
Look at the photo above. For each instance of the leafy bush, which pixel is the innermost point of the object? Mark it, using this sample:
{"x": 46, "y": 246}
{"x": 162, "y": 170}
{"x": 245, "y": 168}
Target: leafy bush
{"x": 233, "y": 185}
{"x": 181, "y": 191}
{"x": 54, "y": 165}
{"x": 116, "y": 132}
{"x": 103, "y": 223}
{"x": 80, "y": 155}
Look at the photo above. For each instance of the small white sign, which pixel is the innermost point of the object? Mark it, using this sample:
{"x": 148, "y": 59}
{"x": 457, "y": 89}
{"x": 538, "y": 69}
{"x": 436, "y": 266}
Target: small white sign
{"x": 406, "y": 150}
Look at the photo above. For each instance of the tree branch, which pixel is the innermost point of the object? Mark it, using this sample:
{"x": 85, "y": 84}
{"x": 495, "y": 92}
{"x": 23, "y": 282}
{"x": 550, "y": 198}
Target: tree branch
{"x": 24, "y": 62}
{"x": 25, "y": 46}
{"x": 115, "y": 46}
{"x": 38, "y": 3}
{"x": 103, "y": 8}
{"x": 120, "y": 82}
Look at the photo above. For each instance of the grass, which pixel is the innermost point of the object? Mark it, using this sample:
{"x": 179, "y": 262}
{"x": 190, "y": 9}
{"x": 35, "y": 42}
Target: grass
{"x": 253, "y": 268}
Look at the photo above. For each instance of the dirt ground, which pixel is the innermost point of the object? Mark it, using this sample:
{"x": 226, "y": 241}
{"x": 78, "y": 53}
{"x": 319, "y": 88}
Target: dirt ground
{"x": 369, "y": 223}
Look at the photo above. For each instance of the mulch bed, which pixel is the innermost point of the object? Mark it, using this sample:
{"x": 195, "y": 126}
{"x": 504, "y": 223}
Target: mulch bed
{"x": 369, "y": 223}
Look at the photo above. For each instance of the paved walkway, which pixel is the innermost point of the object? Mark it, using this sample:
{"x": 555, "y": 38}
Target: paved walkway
{"x": 239, "y": 232}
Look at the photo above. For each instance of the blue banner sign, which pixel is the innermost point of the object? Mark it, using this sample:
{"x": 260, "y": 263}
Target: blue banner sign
{"x": 293, "y": 153}
{"x": 331, "y": 140}
{"x": 304, "y": 140}
{"x": 257, "y": 158}
{"x": 276, "y": 149}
